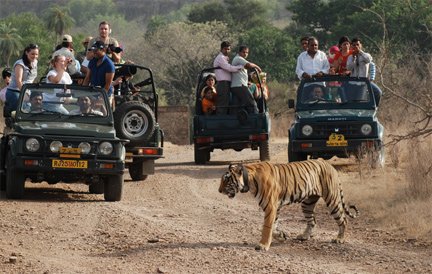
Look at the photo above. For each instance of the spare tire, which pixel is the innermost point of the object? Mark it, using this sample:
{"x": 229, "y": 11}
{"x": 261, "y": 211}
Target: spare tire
{"x": 134, "y": 121}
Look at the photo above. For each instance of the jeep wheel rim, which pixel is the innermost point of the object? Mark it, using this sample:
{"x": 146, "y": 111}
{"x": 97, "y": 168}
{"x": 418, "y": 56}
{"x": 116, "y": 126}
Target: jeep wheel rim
{"x": 135, "y": 123}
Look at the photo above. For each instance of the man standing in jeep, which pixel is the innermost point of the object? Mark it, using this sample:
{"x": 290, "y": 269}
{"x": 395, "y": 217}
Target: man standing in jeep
{"x": 239, "y": 84}
{"x": 223, "y": 77}
{"x": 312, "y": 62}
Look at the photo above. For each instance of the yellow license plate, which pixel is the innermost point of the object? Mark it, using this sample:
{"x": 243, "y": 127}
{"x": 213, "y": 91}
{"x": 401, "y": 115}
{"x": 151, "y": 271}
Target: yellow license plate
{"x": 69, "y": 164}
{"x": 70, "y": 150}
{"x": 336, "y": 140}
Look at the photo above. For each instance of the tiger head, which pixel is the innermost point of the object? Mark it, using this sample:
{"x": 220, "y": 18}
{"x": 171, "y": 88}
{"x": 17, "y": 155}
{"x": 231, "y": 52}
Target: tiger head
{"x": 235, "y": 180}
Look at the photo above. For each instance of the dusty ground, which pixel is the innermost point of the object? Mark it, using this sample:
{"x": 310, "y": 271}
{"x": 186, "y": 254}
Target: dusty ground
{"x": 177, "y": 222}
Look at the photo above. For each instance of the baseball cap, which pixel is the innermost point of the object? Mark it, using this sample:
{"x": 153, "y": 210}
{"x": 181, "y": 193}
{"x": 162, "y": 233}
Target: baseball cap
{"x": 87, "y": 39}
{"x": 67, "y": 38}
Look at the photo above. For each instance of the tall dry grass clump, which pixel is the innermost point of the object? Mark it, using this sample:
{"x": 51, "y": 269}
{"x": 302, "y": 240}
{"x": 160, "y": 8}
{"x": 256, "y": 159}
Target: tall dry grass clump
{"x": 405, "y": 112}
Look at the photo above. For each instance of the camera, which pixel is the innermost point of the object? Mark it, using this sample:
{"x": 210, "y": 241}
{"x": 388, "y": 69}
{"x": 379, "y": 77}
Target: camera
{"x": 112, "y": 48}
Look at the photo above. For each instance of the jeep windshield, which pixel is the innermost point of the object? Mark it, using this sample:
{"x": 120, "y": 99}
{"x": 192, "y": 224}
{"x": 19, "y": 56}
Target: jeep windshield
{"x": 335, "y": 92}
{"x": 49, "y": 101}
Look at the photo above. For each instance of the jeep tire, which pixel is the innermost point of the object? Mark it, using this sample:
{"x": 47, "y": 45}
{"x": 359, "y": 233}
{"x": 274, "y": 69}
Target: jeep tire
{"x": 201, "y": 155}
{"x": 264, "y": 151}
{"x": 136, "y": 170}
{"x": 113, "y": 188}
{"x": 135, "y": 121}
{"x": 15, "y": 181}
{"x": 295, "y": 156}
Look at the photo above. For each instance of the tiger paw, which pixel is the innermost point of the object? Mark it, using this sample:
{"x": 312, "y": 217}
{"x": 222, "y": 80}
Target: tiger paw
{"x": 280, "y": 236}
{"x": 338, "y": 240}
{"x": 304, "y": 237}
{"x": 261, "y": 247}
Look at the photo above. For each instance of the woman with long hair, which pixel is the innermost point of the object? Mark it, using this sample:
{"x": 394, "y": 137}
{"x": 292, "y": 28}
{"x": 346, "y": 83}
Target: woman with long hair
{"x": 24, "y": 71}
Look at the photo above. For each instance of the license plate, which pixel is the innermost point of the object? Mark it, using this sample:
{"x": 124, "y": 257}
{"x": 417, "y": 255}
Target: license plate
{"x": 69, "y": 164}
{"x": 70, "y": 150}
{"x": 336, "y": 140}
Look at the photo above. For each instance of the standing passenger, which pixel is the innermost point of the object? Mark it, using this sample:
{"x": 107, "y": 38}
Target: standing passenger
{"x": 359, "y": 63}
{"x": 239, "y": 84}
{"x": 313, "y": 62}
{"x": 101, "y": 70}
{"x": 223, "y": 78}
{"x": 24, "y": 71}
{"x": 107, "y": 40}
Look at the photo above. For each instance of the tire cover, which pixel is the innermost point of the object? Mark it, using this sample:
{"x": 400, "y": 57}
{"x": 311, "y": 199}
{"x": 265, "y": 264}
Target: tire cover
{"x": 134, "y": 121}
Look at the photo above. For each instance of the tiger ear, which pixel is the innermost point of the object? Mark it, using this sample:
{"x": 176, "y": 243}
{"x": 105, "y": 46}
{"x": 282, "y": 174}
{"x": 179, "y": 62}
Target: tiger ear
{"x": 235, "y": 168}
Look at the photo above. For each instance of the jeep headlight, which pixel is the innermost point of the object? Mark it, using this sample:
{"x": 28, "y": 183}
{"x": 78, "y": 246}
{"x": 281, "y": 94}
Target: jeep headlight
{"x": 55, "y": 146}
{"x": 32, "y": 144}
{"x": 105, "y": 148}
{"x": 85, "y": 147}
{"x": 366, "y": 129}
{"x": 307, "y": 130}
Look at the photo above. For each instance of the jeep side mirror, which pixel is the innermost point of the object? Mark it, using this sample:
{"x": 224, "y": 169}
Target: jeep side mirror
{"x": 290, "y": 103}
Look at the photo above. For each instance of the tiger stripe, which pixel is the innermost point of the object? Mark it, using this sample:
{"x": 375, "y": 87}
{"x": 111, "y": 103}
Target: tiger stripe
{"x": 277, "y": 185}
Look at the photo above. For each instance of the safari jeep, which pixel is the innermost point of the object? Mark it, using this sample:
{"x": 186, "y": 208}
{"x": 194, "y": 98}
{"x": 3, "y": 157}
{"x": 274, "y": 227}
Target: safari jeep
{"x": 237, "y": 131}
{"x": 136, "y": 119}
{"x": 64, "y": 134}
{"x": 335, "y": 116}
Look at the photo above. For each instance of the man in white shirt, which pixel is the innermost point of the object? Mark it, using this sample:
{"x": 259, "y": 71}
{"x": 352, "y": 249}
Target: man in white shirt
{"x": 313, "y": 62}
{"x": 223, "y": 78}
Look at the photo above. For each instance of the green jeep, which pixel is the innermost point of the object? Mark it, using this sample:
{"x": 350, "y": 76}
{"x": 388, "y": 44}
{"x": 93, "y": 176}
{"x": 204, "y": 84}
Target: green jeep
{"x": 335, "y": 116}
{"x": 136, "y": 119}
{"x": 62, "y": 133}
{"x": 236, "y": 131}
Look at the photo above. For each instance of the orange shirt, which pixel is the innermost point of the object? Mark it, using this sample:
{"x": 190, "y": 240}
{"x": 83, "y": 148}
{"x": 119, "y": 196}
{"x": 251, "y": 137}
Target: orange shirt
{"x": 207, "y": 105}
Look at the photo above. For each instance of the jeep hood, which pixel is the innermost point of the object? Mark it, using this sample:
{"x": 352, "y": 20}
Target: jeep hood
{"x": 66, "y": 129}
{"x": 337, "y": 114}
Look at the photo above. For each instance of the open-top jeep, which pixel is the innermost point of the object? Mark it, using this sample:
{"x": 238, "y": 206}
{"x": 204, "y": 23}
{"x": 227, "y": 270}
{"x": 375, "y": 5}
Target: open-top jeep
{"x": 62, "y": 133}
{"x": 136, "y": 119}
{"x": 238, "y": 130}
{"x": 335, "y": 116}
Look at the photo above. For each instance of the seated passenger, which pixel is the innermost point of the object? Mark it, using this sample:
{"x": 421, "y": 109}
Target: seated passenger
{"x": 36, "y": 98}
{"x": 85, "y": 107}
{"x": 210, "y": 81}
{"x": 208, "y": 101}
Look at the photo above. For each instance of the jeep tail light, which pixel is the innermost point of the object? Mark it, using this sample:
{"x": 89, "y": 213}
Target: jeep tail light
{"x": 147, "y": 151}
{"x": 258, "y": 137}
{"x": 204, "y": 140}
{"x": 306, "y": 145}
{"x": 31, "y": 162}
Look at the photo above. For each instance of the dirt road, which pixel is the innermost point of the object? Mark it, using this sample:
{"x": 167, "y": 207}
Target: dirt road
{"x": 177, "y": 222}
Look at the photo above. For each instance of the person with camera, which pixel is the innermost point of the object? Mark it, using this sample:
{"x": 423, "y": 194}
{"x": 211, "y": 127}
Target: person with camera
{"x": 101, "y": 69}
{"x": 67, "y": 50}
{"x": 113, "y": 49}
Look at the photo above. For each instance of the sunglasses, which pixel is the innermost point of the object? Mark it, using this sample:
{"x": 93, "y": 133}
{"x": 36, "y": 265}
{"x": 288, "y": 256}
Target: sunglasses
{"x": 33, "y": 46}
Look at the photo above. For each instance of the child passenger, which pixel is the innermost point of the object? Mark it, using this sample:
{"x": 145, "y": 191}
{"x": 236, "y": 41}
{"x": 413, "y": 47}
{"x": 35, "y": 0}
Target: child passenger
{"x": 208, "y": 100}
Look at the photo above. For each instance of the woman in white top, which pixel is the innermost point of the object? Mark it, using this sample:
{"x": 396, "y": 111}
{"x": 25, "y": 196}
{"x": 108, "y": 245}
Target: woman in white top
{"x": 58, "y": 75}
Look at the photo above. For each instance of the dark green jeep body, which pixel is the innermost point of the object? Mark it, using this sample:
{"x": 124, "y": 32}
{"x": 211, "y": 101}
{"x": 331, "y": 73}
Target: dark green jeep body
{"x": 340, "y": 120}
{"x": 236, "y": 131}
{"x": 55, "y": 141}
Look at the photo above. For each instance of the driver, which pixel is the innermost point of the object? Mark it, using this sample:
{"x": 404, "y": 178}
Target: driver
{"x": 36, "y": 99}
{"x": 317, "y": 93}
{"x": 85, "y": 107}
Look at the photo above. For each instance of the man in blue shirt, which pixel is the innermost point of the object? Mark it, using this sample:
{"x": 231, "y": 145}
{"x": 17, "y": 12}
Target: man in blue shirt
{"x": 101, "y": 69}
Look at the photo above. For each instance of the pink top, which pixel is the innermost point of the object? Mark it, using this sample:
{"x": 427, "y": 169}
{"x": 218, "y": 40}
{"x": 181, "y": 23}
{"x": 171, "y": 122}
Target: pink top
{"x": 224, "y": 74}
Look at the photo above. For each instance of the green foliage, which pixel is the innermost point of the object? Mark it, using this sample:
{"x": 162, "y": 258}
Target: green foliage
{"x": 210, "y": 11}
{"x": 10, "y": 43}
{"x": 380, "y": 24}
{"x": 83, "y": 10}
{"x": 179, "y": 51}
{"x": 58, "y": 19}
{"x": 273, "y": 50}
{"x": 32, "y": 30}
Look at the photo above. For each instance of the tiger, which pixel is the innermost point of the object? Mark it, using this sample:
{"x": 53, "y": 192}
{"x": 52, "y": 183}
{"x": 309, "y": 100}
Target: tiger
{"x": 276, "y": 185}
